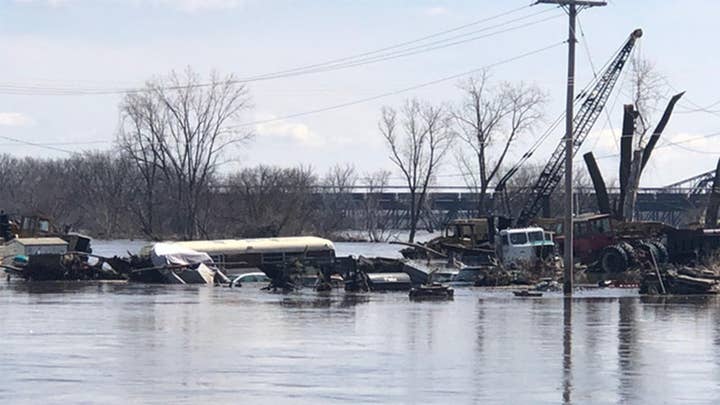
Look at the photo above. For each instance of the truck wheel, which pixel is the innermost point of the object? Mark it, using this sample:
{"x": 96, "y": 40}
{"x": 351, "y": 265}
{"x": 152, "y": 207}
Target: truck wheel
{"x": 662, "y": 252}
{"x": 648, "y": 248}
{"x": 630, "y": 252}
{"x": 613, "y": 259}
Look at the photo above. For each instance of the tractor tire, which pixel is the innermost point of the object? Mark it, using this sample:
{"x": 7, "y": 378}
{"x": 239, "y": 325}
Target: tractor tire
{"x": 630, "y": 252}
{"x": 649, "y": 251}
{"x": 662, "y": 252}
{"x": 613, "y": 259}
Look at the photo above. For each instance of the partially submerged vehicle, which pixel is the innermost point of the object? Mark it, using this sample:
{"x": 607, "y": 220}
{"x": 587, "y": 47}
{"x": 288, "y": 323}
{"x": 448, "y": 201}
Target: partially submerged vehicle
{"x": 476, "y": 241}
{"x": 680, "y": 280}
{"x": 527, "y": 247}
{"x": 252, "y": 277}
{"x": 468, "y": 240}
{"x": 237, "y": 256}
{"x": 32, "y": 249}
{"x": 434, "y": 291}
{"x": 421, "y": 271}
{"x": 375, "y": 274}
{"x": 168, "y": 263}
{"x": 214, "y": 261}
{"x": 219, "y": 261}
{"x": 614, "y": 246}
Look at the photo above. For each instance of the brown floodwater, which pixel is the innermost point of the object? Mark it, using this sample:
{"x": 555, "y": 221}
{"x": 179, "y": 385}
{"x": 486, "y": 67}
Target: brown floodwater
{"x": 126, "y": 343}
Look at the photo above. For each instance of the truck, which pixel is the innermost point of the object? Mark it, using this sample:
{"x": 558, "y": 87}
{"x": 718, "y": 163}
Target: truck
{"x": 477, "y": 241}
{"x": 613, "y": 246}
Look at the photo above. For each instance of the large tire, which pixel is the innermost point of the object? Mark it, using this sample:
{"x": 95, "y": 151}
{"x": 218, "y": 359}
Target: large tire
{"x": 613, "y": 259}
{"x": 649, "y": 251}
{"x": 662, "y": 252}
{"x": 630, "y": 252}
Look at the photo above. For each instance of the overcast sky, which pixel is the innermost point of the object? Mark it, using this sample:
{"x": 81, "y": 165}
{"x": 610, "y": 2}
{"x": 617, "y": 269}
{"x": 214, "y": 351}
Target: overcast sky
{"x": 82, "y": 44}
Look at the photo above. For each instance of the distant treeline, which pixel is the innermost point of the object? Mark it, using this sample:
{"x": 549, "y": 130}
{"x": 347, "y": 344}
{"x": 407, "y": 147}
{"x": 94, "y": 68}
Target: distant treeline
{"x": 105, "y": 195}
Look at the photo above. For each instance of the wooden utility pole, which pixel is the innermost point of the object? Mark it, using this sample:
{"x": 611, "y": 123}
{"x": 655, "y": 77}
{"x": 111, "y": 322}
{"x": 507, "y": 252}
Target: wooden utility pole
{"x": 572, "y": 9}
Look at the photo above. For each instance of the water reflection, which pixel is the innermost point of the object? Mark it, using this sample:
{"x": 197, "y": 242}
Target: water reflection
{"x": 567, "y": 350}
{"x": 325, "y": 300}
{"x": 130, "y": 343}
{"x": 628, "y": 349}
{"x": 479, "y": 353}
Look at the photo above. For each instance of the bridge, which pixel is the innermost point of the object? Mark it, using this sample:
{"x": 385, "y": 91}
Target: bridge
{"x": 675, "y": 204}
{"x": 653, "y": 204}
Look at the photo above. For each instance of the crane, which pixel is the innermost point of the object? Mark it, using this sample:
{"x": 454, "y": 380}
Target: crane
{"x": 593, "y": 102}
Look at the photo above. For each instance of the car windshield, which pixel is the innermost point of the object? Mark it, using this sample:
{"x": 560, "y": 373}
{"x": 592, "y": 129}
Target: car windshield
{"x": 519, "y": 238}
{"x": 536, "y": 236}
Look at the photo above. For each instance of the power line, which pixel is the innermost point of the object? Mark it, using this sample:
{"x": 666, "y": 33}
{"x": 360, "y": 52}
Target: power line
{"x": 61, "y": 143}
{"x": 538, "y": 142}
{"x": 698, "y": 107}
{"x": 25, "y": 90}
{"x": 678, "y": 144}
{"x": 399, "y": 91}
{"x": 402, "y": 44}
{"x": 335, "y": 64}
{"x": 440, "y": 44}
{"x": 703, "y": 109}
{"x": 668, "y": 144}
{"x": 38, "y": 145}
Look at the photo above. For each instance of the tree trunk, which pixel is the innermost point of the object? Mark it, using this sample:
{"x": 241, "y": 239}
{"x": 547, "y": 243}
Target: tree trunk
{"x": 413, "y": 218}
{"x": 633, "y": 183}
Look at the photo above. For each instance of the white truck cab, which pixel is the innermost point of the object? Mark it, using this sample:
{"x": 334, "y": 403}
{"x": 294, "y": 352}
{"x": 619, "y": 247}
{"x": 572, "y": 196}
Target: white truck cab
{"x": 523, "y": 246}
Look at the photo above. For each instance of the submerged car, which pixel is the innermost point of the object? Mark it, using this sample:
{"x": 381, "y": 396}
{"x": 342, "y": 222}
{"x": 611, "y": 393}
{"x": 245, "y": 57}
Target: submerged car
{"x": 254, "y": 277}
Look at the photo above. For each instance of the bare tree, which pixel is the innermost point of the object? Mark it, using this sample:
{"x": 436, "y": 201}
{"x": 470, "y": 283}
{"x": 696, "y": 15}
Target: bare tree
{"x": 337, "y": 202}
{"x": 418, "y": 138}
{"x": 178, "y": 128}
{"x": 105, "y": 183}
{"x": 376, "y": 220}
{"x": 648, "y": 90}
{"x": 271, "y": 201}
{"x": 489, "y": 121}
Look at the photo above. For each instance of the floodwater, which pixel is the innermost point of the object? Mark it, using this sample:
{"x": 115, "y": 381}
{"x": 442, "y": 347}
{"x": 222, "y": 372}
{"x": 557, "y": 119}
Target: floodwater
{"x": 116, "y": 343}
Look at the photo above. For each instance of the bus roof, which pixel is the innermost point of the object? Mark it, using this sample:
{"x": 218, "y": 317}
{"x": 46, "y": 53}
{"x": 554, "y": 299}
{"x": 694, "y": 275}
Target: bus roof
{"x": 259, "y": 245}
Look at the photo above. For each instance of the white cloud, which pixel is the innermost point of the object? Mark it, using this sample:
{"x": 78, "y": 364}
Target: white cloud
{"x": 602, "y": 142}
{"x": 295, "y": 132}
{"x": 200, "y": 5}
{"x": 436, "y": 11}
{"x": 13, "y": 119}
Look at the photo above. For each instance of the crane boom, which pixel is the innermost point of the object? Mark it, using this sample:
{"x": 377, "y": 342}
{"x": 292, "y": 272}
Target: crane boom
{"x": 586, "y": 117}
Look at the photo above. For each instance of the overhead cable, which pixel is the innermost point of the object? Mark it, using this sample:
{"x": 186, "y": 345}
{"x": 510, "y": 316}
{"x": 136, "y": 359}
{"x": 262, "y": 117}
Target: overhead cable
{"x": 400, "y": 91}
{"x": 364, "y": 58}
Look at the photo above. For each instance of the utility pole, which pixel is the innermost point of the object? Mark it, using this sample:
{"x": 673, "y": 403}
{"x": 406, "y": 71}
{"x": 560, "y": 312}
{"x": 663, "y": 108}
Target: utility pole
{"x": 572, "y": 9}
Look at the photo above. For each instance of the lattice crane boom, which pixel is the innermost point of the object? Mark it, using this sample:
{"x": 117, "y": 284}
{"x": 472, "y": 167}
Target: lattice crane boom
{"x": 588, "y": 113}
